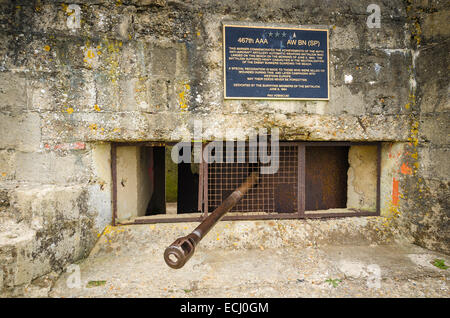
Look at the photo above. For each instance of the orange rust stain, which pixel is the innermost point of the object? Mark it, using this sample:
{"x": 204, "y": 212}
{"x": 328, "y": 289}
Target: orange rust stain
{"x": 405, "y": 169}
{"x": 394, "y": 192}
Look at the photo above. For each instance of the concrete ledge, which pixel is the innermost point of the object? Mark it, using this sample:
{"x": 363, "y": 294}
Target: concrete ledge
{"x": 249, "y": 234}
{"x": 16, "y": 247}
{"x": 49, "y": 227}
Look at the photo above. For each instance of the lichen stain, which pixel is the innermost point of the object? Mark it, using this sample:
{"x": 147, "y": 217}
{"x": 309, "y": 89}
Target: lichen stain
{"x": 90, "y": 57}
{"x": 112, "y": 59}
{"x": 110, "y": 231}
{"x": 182, "y": 96}
{"x": 93, "y": 127}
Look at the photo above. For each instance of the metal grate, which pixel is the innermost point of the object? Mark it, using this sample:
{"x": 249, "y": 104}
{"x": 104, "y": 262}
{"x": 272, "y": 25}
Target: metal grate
{"x": 274, "y": 193}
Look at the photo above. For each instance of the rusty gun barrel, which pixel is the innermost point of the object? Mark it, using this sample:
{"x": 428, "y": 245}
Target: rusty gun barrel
{"x": 180, "y": 251}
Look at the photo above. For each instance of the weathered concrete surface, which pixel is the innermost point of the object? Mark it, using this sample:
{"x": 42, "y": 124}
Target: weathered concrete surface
{"x": 254, "y": 234}
{"x": 145, "y": 70}
{"x": 134, "y": 71}
{"x": 424, "y": 203}
{"x": 362, "y": 178}
{"x": 16, "y": 260}
{"x": 130, "y": 261}
{"x": 44, "y": 229}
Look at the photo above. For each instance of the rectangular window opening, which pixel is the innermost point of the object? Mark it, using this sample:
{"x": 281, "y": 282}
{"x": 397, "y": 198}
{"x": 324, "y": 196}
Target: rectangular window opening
{"x": 150, "y": 185}
{"x": 313, "y": 180}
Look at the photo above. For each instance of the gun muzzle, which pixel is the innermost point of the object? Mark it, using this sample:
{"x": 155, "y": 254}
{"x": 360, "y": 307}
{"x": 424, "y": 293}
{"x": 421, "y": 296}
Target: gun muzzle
{"x": 180, "y": 251}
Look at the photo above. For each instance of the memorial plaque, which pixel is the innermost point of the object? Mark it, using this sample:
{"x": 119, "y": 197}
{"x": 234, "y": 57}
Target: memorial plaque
{"x": 275, "y": 63}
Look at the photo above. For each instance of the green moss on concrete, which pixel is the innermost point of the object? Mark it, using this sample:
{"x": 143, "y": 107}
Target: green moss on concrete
{"x": 171, "y": 177}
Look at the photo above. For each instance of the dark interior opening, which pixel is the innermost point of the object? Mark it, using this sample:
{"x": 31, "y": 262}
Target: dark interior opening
{"x": 157, "y": 204}
{"x": 187, "y": 188}
{"x": 175, "y": 186}
{"x": 326, "y": 177}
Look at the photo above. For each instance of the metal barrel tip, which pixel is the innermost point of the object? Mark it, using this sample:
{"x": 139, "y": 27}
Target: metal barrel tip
{"x": 173, "y": 257}
{"x": 180, "y": 251}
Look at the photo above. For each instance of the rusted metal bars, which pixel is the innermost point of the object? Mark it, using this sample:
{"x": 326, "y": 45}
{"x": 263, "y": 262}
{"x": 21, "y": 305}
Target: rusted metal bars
{"x": 114, "y": 181}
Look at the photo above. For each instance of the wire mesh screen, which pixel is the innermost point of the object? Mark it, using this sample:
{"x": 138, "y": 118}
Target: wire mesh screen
{"x": 274, "y": 193}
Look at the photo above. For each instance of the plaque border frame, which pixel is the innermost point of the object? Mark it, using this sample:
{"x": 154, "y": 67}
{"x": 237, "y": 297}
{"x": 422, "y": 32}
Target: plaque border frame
{"x": 232, "y": 24}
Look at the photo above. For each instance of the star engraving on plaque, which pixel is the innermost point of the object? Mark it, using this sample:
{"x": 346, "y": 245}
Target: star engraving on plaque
{"x": 277, "y": 34}
{"x": 270, "y": 34}
{"x": 284, "y": 34}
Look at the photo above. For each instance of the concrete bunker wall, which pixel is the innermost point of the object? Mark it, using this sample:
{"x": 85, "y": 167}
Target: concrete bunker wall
{"x": 147, "y": 70}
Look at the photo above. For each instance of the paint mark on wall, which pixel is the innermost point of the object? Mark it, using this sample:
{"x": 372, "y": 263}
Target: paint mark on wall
{"x": 79, "y": 145}
{"x": 405, "y": 169}
{"x": 395, "y": 183}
